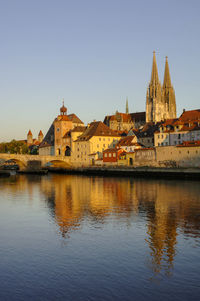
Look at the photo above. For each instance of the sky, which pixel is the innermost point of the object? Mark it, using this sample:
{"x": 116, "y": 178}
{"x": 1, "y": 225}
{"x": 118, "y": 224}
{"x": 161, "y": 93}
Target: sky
{"x": 94, "y": 54}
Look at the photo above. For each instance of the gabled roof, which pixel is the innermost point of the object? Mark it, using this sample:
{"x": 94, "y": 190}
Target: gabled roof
{"x": 97, "y": 128}
{"x": 123, "y": 117}
{"x": 79, "y": 129}
{"x": 49, "y": 138}
{"x": 190, "y": 115}
{"x": 40, "y": 133}
{"x": 74, "y": 118}
{"x": 30, "y": 133}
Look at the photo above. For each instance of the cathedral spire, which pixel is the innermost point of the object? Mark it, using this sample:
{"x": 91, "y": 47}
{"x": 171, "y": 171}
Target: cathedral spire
{"x": 154, "y": 72}
{"x": 127, "y": 109}
{"x": 167, "y": 79}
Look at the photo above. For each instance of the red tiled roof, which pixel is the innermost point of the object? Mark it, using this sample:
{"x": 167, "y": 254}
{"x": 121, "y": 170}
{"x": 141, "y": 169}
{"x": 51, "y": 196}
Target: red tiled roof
{"x": 189, "y": 143}
{"x": 30, "y": 133}
{"x": 74, "y": 118}
{"x": 63, "y": 118}
{"x": 40, "y": 133}
{"x": 132, "y": 117}
{"x": 190, "y": 115}
{"x": 79, "y": 129}
{"x": 96, "y": 128}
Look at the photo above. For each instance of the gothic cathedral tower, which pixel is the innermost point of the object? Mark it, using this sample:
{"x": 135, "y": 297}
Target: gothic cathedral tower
{"x": 160, "y": 100}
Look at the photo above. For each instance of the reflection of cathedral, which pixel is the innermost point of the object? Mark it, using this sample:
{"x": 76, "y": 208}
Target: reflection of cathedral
{"x": 98, "y": 198}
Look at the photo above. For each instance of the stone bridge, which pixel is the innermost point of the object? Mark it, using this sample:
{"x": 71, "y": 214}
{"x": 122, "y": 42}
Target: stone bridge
{"x": 25, "y": 161}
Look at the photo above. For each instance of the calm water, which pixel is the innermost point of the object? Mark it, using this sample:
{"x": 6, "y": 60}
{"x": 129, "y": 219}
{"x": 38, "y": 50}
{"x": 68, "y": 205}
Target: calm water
{"x": 88, "y": 238}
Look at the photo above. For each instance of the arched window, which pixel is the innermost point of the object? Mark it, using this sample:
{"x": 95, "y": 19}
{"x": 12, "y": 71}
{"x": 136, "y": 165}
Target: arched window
{"x": 67, "y": 151}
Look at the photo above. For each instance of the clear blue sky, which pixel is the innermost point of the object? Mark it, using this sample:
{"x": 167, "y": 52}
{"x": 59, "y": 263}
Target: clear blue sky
{"x": 92, "y": 53}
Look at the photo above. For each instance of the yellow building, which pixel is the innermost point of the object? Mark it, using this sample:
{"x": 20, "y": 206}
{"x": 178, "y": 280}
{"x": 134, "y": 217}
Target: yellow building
{"x": 95, "y": 139}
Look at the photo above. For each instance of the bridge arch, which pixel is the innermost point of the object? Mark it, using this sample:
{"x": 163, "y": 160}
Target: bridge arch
{"x": 57, "y": 163}
{"x": 18, "y": 162}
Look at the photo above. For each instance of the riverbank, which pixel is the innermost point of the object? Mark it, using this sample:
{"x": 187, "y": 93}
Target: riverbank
{"x": 147, "y": 172}
{"x": 4, "y": 173}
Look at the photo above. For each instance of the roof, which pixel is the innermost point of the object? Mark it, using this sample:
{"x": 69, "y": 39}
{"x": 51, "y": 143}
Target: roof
{"x": 79, "y": 129}
{"x": 40, "y": 133}
{"x": 111, "y": 150}
{"x": 127, "y": 141}
{"x": 189, "y": 143}
{"x": 146, "y": 131}
{"x": 123, "y": 117}
{"x": 97, "y": 128}
{"x": 49, "y": 138}
{"x": 190, "y": 115}
{"x": 30, "y": 133}
{"x": 62, "y": 118}
{"x": 74, "y": 118}
{"x": 45, "y": 144}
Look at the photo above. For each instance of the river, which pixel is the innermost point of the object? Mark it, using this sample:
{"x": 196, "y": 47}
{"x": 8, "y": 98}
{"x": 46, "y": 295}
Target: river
{"x": 85, "y": 238}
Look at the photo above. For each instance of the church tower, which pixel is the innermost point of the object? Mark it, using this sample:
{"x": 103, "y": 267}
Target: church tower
{"x": 168, "y": 94}
{"x": 29, "y": 137}
{"x": 160, "y": 100}
{"x": 153, "y": 97}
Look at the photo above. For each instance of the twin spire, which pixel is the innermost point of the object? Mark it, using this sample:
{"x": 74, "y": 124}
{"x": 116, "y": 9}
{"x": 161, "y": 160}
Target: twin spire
{"x": 154, "y": 73}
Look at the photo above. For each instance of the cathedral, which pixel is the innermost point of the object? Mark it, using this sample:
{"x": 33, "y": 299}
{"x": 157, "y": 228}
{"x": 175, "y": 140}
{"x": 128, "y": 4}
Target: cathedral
{"x": 160, "y": 99}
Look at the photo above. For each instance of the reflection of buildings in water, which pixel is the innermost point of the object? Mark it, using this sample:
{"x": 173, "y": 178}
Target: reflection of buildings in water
{"x": 20, "y": 185}
{"x": 96, "y": 198}
{"x": 166, "y": 206}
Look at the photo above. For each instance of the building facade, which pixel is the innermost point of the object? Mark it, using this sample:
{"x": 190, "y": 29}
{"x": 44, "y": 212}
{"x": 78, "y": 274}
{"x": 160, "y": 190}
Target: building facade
{"x": 178, "y": 130}
{"x": 94, "y": 140}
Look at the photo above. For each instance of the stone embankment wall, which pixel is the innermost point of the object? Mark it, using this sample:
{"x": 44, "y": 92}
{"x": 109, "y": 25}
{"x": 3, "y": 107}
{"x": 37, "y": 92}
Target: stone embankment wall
{"x": 168, "y": 156}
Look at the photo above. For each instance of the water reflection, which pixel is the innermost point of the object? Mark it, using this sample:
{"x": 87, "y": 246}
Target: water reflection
{"x": 169, "y": 207}
{"x": 166, "y": 209}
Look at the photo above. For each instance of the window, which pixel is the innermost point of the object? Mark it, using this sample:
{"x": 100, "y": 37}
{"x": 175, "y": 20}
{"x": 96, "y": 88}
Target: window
{"x": 104, "y": 145}
{"x": 108, "y": 139}
{"x": 105, "y": 155}
{"x": 158, "y": 136}
{"x": 99, "y": 139}
{"x": 114, "y": 154}
{"x": 158, "y": 144}
{"x": 97, "y": 145}
{"x": 109, "y": 154}
{"x": 103, "y": 139}
{"x": 58, "y": 129}
{"x": 161, "y": 136}
{"x": 162, "y": 143}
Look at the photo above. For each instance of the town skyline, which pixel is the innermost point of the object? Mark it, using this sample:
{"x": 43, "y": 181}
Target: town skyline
{"x": 93, "y": 59}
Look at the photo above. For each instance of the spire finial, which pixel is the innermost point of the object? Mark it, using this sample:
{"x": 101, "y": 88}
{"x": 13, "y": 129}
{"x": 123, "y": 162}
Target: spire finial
{"x": 167, "y": 79}
{"x": 127, "y": 109}
{"x": 154, "y": 72}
